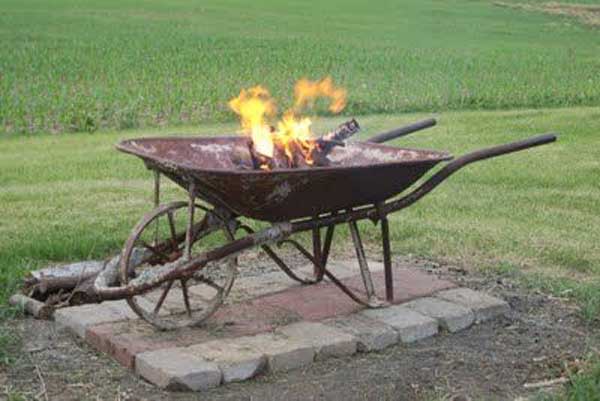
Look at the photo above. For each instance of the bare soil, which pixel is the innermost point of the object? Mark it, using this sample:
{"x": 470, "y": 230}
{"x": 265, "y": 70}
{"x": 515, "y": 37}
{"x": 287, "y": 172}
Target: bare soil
{"x": 588, "y": 14}
{"x": 489, "y": 361}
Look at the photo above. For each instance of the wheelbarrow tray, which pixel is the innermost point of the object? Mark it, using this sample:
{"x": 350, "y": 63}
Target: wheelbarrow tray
{"x": 361, "y": 173}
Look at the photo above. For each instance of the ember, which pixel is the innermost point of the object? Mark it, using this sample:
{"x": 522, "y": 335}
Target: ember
{"x": 288, "y": 143}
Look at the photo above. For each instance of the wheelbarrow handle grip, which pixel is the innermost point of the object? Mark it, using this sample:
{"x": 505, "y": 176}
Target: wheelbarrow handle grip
{"x": 402, "y": 131}
{"x": 502, "y": 150}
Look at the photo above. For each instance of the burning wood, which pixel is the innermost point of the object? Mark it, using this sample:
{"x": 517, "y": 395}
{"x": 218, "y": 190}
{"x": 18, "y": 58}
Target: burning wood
{"x": 289, "y": 142}
{"x": 296, "y": 153}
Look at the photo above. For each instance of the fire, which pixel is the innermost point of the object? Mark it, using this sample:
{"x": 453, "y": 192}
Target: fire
{"x": 292, "y": 133}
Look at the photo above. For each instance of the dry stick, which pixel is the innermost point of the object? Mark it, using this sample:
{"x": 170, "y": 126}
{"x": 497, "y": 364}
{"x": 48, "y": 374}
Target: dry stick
{"x": 44, "y": 392}
{"x": 547, "y": 383}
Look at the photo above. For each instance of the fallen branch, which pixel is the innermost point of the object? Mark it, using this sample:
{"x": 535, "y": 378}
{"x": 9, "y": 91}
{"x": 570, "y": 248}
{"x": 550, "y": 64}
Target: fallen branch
{"x": 31, "y": 306}
{"x": 50, "y": 279}
{"x": 546, "y": 383}
{"x": 44, "y": 391}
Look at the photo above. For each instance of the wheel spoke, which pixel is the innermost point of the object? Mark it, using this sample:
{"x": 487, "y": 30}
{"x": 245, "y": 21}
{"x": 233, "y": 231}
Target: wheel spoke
{"x": 160, "y": 252}
{"x": 186, "y": 299}
{"x": 162, "y": 297}
{"x": 210, "y": 283}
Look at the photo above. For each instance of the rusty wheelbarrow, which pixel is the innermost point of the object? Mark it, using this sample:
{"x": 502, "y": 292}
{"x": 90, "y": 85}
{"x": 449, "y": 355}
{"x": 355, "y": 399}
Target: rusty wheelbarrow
{"x": 191, "y": 245}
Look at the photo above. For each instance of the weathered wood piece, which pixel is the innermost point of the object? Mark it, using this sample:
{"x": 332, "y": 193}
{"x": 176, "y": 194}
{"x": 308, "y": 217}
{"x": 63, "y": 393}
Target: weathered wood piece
{"x": 66, "y": 277}
{"x": 339, "y": 134}
{"x": 31, "y": 306}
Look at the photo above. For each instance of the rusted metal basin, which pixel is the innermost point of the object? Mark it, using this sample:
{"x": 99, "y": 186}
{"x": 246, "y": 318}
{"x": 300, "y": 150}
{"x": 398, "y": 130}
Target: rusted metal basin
{"x": 361, "y": 173}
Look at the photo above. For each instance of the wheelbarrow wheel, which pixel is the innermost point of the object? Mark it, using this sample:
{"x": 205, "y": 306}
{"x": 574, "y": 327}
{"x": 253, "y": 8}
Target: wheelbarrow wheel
{"x": 160, "y": 238}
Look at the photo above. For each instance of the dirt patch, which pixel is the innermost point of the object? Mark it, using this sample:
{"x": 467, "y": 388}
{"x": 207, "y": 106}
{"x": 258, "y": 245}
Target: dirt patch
{"x": 488, "y": 361}
{"x": 588, "y": 14}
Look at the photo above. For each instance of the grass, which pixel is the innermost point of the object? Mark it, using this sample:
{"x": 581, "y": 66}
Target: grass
{"x": 582, "y": 386}
{"x": 69, "y": 65}
{"x": 68, "y": 198}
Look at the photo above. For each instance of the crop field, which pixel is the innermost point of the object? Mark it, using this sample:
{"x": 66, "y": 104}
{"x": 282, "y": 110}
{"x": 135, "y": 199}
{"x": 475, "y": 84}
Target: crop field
{"x": 71, "y": 65}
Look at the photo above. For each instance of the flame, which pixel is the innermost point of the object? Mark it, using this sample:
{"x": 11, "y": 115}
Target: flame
{"x": 255, "y": 106}
{"x": 307, "y": 91}
{"x": 292, "y": 133}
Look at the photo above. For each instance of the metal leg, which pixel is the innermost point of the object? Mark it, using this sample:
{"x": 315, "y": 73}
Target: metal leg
{"x": 362, "y": 262}
{"x": 316, "y": 242}
{"x": 190, "y": 226}
{"x": 387, "y": 259}
{"x": 327, "y": 245}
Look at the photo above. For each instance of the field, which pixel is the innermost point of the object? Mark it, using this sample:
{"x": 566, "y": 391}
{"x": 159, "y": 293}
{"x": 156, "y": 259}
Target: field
{"x": 81, "y": 66}
{"x": 74, "y": 197}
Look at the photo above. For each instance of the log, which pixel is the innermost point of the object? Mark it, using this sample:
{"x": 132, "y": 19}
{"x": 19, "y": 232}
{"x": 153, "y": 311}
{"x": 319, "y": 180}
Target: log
{"x": 341, "y": 132}
{"x": 318, "y": 154}
{"x": 34, "y": 307}
{"x": 66, "y": 277}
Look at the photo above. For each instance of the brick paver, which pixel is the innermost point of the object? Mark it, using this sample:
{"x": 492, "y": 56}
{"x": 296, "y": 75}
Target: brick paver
{"x": 452, "y": 317}
{"x": 272, "y": 324}
{"x": 236, "y": 360}
{"x": 327, "y": 341}
{"x": 408, "y": 284}
{"x": 410, "y": 325}
{"x": 483, "y": 305}
{"x": 177, "y": 369}
{"x": 371, "y": 334}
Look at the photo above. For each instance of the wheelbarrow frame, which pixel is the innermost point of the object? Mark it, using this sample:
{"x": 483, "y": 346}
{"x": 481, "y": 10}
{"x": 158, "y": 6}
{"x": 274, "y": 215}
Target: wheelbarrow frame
{"x": 220, "y": 217}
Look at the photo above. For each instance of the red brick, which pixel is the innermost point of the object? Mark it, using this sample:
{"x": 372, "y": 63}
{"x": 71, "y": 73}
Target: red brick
{"x": 251, "y": 317}
{"x": 123, "y": 341}
{"x": 313, "y": 302}
{"x": 122, "y": 347}
{"x": 408, "y": 284}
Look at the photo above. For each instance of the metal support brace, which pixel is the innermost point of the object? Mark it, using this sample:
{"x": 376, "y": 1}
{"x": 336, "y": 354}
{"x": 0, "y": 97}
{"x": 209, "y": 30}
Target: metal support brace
{"x": 362, "y": 262}
{"x": 387, "y": 259}
{"x": 190, "y": 226}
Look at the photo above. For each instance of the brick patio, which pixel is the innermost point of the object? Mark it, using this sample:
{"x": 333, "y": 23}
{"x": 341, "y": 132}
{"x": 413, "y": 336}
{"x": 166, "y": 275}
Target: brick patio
{"x": 270, "y": 323}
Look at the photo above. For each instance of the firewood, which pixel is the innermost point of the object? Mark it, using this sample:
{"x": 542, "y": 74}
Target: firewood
{"x": 50, "y": 279}
{"x": 35, "y": 308}
{"x": 318, "y": 154}
{"x": 298, "y": 158}
{"x": 342, "y": 132}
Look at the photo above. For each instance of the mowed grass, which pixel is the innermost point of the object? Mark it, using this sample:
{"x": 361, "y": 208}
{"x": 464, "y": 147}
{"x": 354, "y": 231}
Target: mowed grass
{"x": 67, "y": 198}
{"x": 69, "y": 65}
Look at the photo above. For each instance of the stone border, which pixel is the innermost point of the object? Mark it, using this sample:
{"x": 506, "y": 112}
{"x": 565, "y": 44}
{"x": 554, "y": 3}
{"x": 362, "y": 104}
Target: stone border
{"x": 299, "y": 344}
{"x": 202, "y": 363}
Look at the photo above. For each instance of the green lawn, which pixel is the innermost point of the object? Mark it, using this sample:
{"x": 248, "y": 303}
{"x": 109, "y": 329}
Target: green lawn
{"x": 74, "y": 197}
{"x": 72, "y": 65}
